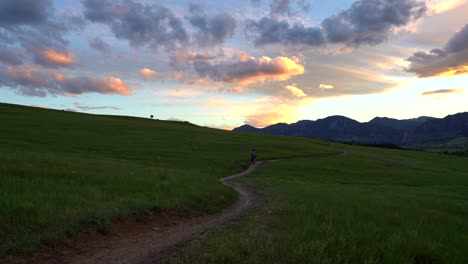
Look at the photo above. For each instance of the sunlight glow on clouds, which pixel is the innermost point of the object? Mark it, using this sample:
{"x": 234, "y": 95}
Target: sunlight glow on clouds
{"x": 295, "y": 91}
{"x": 325, "y": 86}
{"x": 235, "y": 62}
{"x": 447, "y": 61}
{"x": 36, "y": 82}
{"x": 440, "y": 6}
{"x": 251, "y": 70}
{"x": 57, "y": 58}
{"x": 147, "y": 73}
{"x": 261, "y": 112}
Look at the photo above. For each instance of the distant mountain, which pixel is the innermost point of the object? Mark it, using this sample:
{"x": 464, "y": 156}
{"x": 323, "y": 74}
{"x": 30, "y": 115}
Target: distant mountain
{"x": 401, "y": 125}
{"x": 380, "y": 130}
{"x": 247, "y": 128}
{"x": 439, "y": 130}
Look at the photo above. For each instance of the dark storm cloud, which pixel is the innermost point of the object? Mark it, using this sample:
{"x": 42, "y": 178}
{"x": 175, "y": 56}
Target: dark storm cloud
{"x": 14, "y": 12}
{"x": 271, "y": 31}
{"x": 211, "y": 30}
{"x": 10, "y": 57}
{"x": 280, "y": 7}
{"x": 450, "y": 60}
{"x": 34, "y": 82}
{"x": 371, "y": 21}
{"x": 99, "y": 45}
{"x": 139, "y": 23}
{"x": 286, "y": 7}
{"x": 366, "y": 22}
{"x": 30, "y": 27}
{"x": 459, "y": 41}
{"x": 100, "y": 10}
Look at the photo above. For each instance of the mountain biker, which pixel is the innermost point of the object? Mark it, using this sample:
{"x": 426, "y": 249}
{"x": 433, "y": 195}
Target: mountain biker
{"x": 253, "y": 156}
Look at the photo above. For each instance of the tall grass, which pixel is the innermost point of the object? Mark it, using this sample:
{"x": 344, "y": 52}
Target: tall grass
{"x": 61, "y": 172}
{"x": 370, "y": 206}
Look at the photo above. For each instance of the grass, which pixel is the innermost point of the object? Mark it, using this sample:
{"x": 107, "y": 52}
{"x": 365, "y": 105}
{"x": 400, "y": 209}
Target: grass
{"x": 62, "y": 172}
{"x": 369, "y": 206}
{"x": 459, "y": 144}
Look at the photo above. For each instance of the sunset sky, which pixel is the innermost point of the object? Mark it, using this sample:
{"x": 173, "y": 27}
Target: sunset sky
{"x": 228, "y": 63}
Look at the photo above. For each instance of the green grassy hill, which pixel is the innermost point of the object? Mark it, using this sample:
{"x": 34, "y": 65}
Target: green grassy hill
{"x": 62, "y": 171}
{"x": 369, "y": 206}
{"x": 327, "y": 203}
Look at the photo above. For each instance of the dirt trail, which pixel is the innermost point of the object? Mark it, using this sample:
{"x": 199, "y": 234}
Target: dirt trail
{"x": 151, "y": 240}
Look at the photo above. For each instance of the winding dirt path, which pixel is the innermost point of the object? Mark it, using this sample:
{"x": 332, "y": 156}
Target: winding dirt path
{"x": 151, "y": 240}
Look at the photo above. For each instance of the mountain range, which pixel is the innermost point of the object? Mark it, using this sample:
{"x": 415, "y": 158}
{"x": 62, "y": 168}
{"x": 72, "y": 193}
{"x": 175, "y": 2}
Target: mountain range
{"x": 423, "y": 132}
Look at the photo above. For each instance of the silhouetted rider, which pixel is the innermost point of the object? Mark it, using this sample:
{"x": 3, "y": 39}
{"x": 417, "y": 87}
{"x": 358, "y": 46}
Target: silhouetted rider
{"x": 253, "y": 156}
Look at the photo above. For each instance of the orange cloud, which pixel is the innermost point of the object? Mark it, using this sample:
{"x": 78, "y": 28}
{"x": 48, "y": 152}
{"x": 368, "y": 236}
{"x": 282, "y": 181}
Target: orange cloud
{"x": 245, "y": 57}
{"x": 462, "y": 69}
{"x": 326, "y": 86}
{"x": 25, "y": 76}
{"x": 57, "y": 57}
{"x": 264, "y": 119}
{"x": 78, "y": 85}
{"x": 38, "y": 82}
{"x": 114, "y": 85}
{"x": 261, "y": 112}
{"x": 251, "y": 70}
{"x": 295, "y": 91}
{"x": 145, "y": 72}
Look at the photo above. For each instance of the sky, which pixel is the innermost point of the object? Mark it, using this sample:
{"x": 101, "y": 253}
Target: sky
{"x": 228, "y": 63}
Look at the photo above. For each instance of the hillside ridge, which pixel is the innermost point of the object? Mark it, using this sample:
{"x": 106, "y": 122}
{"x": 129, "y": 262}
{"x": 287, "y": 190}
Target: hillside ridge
{"x": 420, "y": 132}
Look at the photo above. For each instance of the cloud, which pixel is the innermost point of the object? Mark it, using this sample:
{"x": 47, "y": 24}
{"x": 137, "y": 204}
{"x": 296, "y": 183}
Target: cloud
{"x": 100, "y": 45}
{"x": 295, "y": 91}
{"x": 285, "y": 7}
{"x": 80, "y": 85}
{"x": 19, "y": 12}
{"x": 448, "y": 61}
{"x": 29, "y": 27}
{"x": 325, "y": 86}
{"x": 441, "y": 6}
{"x": 366, "y": 22}
{"x": 371, "y": 21}
{"x": 147, "y": 73}
{"x": 443, "y": 91}
{"x": 140, "y": 24}
{"x": 280, "y": 7}
{"x": 182, "y": 93}
{"x": 251, "y": 70}
{"x": 180, "y": 59}
{"x": 89, "y": 107}
{"x": 10, "y": 57}
{"x": 35, "y": 82}
{"x": 264, "y": 119}
{"x": 52, "y": 58}
{"x": 260, "y": 112}
{"x": 271, "y": 31}
{"x": 211, "y": 31}
{"x": 348, "y": 75}
{"x": 103, "y": 11}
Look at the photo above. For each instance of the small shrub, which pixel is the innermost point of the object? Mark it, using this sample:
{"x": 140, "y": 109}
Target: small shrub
{"x": 104, "y": 225}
